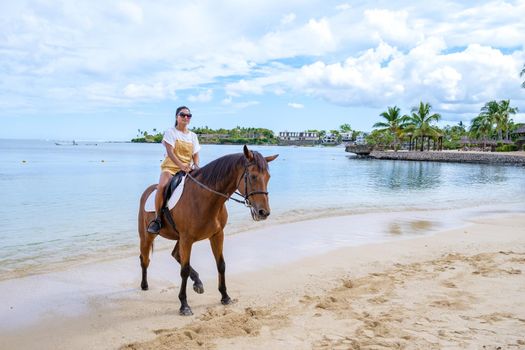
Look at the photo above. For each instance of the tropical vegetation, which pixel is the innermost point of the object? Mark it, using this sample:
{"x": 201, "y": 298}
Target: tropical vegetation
{"x": 238, "y": 135}
{"x": 418, "y": 130}
{"x": 394, "y": 125}
{"x": 522, "y": 74}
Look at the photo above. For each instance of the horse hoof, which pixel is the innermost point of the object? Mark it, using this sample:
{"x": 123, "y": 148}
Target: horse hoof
{"x": 198, "y": 288}
{"x": 144, "y": 286}
{"x": 185, "y": 311}
{"x": 226, "y": 301}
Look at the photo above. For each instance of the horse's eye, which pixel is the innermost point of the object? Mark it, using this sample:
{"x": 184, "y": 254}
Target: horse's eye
{"x": 253, "y": 177}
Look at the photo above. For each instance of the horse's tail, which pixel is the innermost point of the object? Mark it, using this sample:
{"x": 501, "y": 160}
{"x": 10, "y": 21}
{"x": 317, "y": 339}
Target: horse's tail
{"x": 142, "y": 222}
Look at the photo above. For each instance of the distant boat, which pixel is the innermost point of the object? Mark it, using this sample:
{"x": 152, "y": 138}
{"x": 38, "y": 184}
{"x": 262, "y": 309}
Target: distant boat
{"x": 73, "y": 143}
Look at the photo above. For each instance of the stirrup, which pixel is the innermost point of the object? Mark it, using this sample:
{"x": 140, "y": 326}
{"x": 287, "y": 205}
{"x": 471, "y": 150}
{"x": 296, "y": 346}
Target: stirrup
{"x": 154, "y": 226}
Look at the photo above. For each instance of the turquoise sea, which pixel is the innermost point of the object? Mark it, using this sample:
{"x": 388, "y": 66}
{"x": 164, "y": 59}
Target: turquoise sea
{"x": 68, "y": 204}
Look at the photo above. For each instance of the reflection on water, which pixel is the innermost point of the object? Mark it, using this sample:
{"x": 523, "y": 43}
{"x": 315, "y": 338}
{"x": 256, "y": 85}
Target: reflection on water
{"x": 397, "y": 228}
{"x": 406, "y": 175}
{"x": 483, "y": 174}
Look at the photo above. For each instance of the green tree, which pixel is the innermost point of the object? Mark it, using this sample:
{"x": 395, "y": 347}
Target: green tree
{"x": 505, "y": 111}
{"x": 381, "y": 138}
{"x": 420, "y": 123}
{"x": 452, "y": 135}
{"x": 345, "y": 128}
{"x": 394, "y": 124}
{"x": 522, "y": 73}
{"x": 481, "y": 127}
{"x": 498, "y": 113}
{"x": 337, "y": 135}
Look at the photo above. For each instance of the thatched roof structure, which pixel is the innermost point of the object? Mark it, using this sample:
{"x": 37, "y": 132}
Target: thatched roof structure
{"x": 520, "y": 130}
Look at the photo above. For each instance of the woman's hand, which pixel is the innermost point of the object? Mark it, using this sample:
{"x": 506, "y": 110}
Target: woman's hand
{"x": 186, "y": 168}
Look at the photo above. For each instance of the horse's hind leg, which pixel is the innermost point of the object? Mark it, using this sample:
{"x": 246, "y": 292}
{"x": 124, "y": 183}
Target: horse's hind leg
{"x": 216, "y": 242}
{"x": 146, "y": 243}
{"x": 198, "y": 287}
{"x": 184, "y": 252}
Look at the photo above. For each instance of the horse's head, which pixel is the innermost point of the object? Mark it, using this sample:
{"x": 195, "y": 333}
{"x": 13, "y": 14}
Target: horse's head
{"x": 254, "y": 182}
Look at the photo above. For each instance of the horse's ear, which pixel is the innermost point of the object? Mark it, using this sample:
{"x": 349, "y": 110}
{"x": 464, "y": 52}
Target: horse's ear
{"x": 247, "y": 153}
{"x": 270, "y": 158}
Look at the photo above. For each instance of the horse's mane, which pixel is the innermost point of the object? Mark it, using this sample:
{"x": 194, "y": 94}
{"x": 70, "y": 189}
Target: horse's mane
{"x": 216, "y": 172}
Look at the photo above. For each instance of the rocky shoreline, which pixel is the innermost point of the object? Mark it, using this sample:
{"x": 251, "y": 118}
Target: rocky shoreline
{"x": 455, "y": 157}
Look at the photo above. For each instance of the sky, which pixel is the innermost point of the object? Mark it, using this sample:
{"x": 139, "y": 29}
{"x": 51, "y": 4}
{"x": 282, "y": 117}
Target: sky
{"x": 102, "y": 70}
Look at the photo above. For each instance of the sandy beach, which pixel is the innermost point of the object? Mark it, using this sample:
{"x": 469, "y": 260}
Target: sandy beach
{"x": 461, "y": 287}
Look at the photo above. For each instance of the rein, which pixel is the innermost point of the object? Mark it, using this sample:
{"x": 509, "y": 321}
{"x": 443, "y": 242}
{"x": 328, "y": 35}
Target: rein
{"x": 246, "y": 195}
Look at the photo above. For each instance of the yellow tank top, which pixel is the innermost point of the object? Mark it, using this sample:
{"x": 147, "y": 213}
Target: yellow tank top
{"x": 185, "y": 145}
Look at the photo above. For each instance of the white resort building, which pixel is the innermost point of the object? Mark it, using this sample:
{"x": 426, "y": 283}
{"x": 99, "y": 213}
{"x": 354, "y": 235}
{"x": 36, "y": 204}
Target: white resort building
{"x": 329, "y": 139}
{"x": 298, "y": 136}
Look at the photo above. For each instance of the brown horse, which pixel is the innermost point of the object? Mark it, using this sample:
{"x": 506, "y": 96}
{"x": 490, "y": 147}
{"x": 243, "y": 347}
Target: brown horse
{"x": 201, "y": 214}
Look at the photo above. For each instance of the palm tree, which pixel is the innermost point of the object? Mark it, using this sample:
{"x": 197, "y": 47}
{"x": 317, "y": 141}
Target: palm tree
{"x": 505, "y": 110}
{"x": 481, "y": 127}
{"x": 394, "y": 124}
{"x": 420, "y": 122}
{"x": 498, "y": 113}
{"x": 522, "y": 73}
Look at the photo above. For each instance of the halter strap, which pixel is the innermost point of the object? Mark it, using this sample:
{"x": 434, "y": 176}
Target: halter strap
{"x": 246, "y": 195}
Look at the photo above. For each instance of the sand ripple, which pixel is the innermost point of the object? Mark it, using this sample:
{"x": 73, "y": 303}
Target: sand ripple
{"x": 431, "y": 304}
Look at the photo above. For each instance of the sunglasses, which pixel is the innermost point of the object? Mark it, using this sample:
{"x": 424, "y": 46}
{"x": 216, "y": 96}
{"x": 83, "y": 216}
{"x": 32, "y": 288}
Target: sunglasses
{"x": 184, "y": 115}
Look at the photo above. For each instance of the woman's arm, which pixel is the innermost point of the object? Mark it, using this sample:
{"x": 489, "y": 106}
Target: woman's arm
{"x": 196, "y": 160}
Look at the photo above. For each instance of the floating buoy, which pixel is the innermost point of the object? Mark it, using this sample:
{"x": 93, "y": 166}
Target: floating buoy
{"x": 102, "y": 160}
{"x": 23, "y": 161}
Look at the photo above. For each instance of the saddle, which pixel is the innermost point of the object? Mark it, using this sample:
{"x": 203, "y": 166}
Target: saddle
{"x": 168, "y": 191}
{"x": 165, "y": 211}
{"x": 172, "y": 193}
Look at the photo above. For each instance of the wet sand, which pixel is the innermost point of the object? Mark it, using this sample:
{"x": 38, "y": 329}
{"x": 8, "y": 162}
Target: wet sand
{"x": 463, "y": 287}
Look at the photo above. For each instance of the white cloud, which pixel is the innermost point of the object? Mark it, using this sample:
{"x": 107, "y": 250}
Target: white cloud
{"x": 384, "y": 75}
{"x": 205, "y": 96}
{"x": 289, "y": 18}
{"x": 131, "y": 11}
{"x": 453, "y": 82}
{"x": 392, "y": 26}
{"x": 456, "y": 56}
{"x": 243, "y": 87}
{"x": 295, "y": 105}
{"x": 155, "y": 91}
{"x": 343, "y": 7}
{"x": 227, "y": 101}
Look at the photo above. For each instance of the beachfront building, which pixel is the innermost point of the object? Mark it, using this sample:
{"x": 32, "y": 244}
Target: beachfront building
{"x": 486, "y": 145}
{"x": 361, "y": 138}
{"x": 346, "y": 136}
{"x": 298, "y": 137}
{"x": 330, "y": 139}
{"x": 520, "y": 140}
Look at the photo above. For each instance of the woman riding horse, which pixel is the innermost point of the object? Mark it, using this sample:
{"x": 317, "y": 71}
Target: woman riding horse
{"x": 182, "y": 153}
{"x": 201, "y": 214}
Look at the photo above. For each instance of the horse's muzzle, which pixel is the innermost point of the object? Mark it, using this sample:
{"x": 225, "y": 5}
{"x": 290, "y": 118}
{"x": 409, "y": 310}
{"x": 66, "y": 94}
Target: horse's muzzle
{"x": 259, "y": 214}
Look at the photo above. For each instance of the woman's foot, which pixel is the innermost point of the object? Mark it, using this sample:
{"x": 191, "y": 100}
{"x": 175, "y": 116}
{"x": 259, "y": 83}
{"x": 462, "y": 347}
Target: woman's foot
{"x": 154, "y": 226}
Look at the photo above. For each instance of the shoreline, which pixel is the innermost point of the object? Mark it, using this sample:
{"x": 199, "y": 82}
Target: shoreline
{"x": 95, "y": 311}
{"x": 113, "y": 253}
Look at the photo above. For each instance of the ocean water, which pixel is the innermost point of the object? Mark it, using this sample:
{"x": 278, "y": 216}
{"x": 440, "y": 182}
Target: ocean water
{"x": 68, "y": 204}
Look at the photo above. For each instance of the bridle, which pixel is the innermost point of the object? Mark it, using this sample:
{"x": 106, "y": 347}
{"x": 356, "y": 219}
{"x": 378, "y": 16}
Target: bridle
{"x": 246, "y": 196}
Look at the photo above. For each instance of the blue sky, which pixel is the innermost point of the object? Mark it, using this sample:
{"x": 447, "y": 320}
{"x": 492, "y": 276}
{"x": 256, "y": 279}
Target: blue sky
{"x": 101, "y": 70}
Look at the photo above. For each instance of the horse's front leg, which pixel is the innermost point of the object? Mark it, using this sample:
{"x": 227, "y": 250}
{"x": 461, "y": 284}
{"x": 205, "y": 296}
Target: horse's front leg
{"x": 184, "y": 252}
{"x": 198, "y": 287}
{"x": 216, "y": 242}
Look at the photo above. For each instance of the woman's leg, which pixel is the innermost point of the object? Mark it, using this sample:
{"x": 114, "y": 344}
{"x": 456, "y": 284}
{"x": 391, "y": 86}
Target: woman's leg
{"x": 156, "y": 224}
